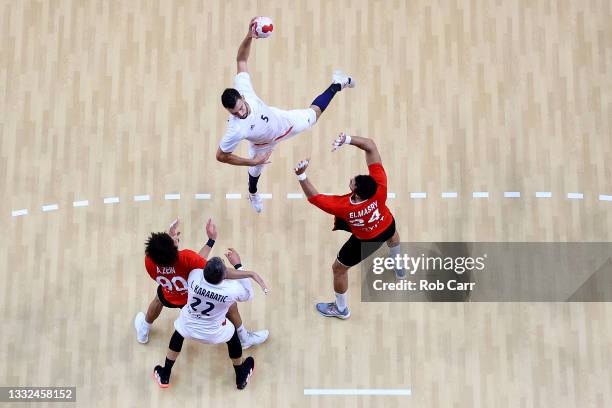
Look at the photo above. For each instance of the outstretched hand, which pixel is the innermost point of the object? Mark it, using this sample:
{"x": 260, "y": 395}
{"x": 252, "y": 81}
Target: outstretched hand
{"x": 174, "y": 232}
{"x": 301, "y": 167}
{"x": 340, "y": 140}
{"x": 211, "y": 229}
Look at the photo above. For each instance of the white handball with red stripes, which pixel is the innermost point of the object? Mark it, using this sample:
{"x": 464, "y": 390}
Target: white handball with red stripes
{"x": 262, "y": 27}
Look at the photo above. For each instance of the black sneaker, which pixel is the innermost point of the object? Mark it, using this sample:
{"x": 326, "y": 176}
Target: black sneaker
{"x": 161, "y": 378}
{"x": 248, "y": 367}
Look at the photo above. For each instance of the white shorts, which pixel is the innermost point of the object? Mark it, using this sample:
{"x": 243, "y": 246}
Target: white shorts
{"x": 189, "y": 330}
{"x": 300, "y": 119}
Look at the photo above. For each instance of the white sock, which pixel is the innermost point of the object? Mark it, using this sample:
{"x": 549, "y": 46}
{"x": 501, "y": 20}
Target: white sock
{"x": 341, "y": 301}
{"x": 145, "y": 323}
{"x": 394, "y": 251}
{"x": 242, "y": 332}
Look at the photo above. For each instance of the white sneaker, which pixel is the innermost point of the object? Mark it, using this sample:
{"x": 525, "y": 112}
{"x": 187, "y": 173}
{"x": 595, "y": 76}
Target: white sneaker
{"x": 142, "y": 329}
{"x": 256, "y": 202}
{"x": 343, "y": 79}
{"x": 254, "y": 338}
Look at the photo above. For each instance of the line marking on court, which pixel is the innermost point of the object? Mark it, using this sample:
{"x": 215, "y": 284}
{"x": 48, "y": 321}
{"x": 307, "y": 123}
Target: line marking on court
{"x": 82, "y": 203}
{"x": 266, "y": 196}
{"x": 604, "y": 197}
{"x": 357, "y": 391}
{"x": 50, "y": 207}
{"x": 19, "y": 213}
{"x": 142, "y": 197}
{"x": 172, "y": 196}
{"x": 295, "y": 196}
{"x": 202, "y": 196}
{"x": 390, "y": 195}
{"x": 418, "y": 195}
{"x": 111, "y": 200}
{"x": 575, "y": 196}
{"x": 543, "y": 194}
{"x": 480, "y": 194}
{"x": 233, "y": 196}
{"x": 449, "y": 194}
{"x": 512, "y": 194}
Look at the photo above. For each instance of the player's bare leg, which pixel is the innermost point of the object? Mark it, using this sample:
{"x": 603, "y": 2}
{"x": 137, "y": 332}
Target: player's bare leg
{"x": 339, "y": 308}
{"x": 394, "y": 250}
{"x": 142, "y": 322}
{"x": 247, "y": 338}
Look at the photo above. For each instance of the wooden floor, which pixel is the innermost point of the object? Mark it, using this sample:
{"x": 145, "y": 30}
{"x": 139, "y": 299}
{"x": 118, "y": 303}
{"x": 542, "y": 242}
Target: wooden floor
{"x": 120, "y": 98}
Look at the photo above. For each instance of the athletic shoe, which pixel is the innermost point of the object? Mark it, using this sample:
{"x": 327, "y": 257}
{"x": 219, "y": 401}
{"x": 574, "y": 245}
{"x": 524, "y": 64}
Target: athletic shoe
{"x": 331, "y": 310}
{"x": 400, "y": 273}
{"x": 254, "y": 338}
{"x": 160, "y": 377}
{"x": 142, "y": 331}
{"x": 343, "y": 79}
{"x": 256, "y": 202}
{"x": 247, "y": 369}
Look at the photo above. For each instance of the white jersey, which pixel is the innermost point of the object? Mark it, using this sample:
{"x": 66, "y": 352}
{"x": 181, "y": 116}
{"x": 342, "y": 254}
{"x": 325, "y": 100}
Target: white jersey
{"x": 203, "y": 317}
{"x": 264, "y": 124}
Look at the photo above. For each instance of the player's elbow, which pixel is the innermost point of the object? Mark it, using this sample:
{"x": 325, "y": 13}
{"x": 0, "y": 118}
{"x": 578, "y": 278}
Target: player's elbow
{"x": 221, "y": 156}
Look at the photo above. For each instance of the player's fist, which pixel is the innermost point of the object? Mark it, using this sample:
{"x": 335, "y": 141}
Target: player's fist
{"x": 232, "y": 256}
{"x": 301, "y": 167}
{"x": 262, "y": 158}
{"x": 340, "y": 140}
{"x": 174, "y": 232}
{"x": 211, "y": 229}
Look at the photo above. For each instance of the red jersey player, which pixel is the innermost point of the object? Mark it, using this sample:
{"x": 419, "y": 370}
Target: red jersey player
{"x": 170, "y": 268}
{"x": 363, "y": 212}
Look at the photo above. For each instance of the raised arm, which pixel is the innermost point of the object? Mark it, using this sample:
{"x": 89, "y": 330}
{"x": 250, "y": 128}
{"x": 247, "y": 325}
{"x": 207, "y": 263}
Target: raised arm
{"x": 245, "y": 49}
{"x": 307, "y": 187}
{"x": 364, "y": 143}
{"x": 211, "y": 232}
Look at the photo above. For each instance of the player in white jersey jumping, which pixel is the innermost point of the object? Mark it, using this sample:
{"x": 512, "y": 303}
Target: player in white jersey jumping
{"x": 264, "y": 126}
{"x": 203, "y": 318}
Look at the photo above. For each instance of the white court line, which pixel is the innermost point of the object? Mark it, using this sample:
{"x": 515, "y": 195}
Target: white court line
{"x": 390, "y": 195}
{"x": 480, "y": 194}
{"x": 295, "y": 196}
{"x": 543, "y": 194}
{"x": 82, "y": 203}
{"x": 266, "y": 196}
{"x": 418, "y": 195}
{"x": 202, "y": 196}
{"x": 233, "y": 196}
{"x": 512, "y": 194}
{"x": 172, "y": 196}
{"x": 604, "y": 197}
{"x": 356, "y": 391}
{"x": 142, "y": 197}
{"x": 50, "y": 207}
{"x": 19, "y": 213}
{"x": 575, "y": 196}
{"x": 449, "y": 194}
{"x": 111, "y": 200}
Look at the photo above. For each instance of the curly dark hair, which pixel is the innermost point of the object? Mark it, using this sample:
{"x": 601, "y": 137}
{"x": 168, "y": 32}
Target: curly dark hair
{"x": 365, "y": 186}
{"x": 161, "y": 249}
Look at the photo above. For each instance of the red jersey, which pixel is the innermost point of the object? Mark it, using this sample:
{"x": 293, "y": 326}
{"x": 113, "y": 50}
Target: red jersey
{"x": 173, "y": 279}
{"x": 367, "y": 219}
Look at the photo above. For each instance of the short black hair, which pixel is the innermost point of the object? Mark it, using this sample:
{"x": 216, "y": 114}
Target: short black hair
{"x": 214, "y": 270}
{"x": 229, "y": 98}
{"x": 161, "y": 249}
{"x": 365, "y": 186}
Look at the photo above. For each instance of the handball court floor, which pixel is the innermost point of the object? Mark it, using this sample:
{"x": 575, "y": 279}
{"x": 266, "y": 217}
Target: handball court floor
{"x": 107, "y": 99}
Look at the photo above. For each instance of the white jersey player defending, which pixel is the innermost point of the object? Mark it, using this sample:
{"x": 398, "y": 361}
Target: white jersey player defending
{"x": 203, "y": 318}
{"x": 264, "y": 126}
